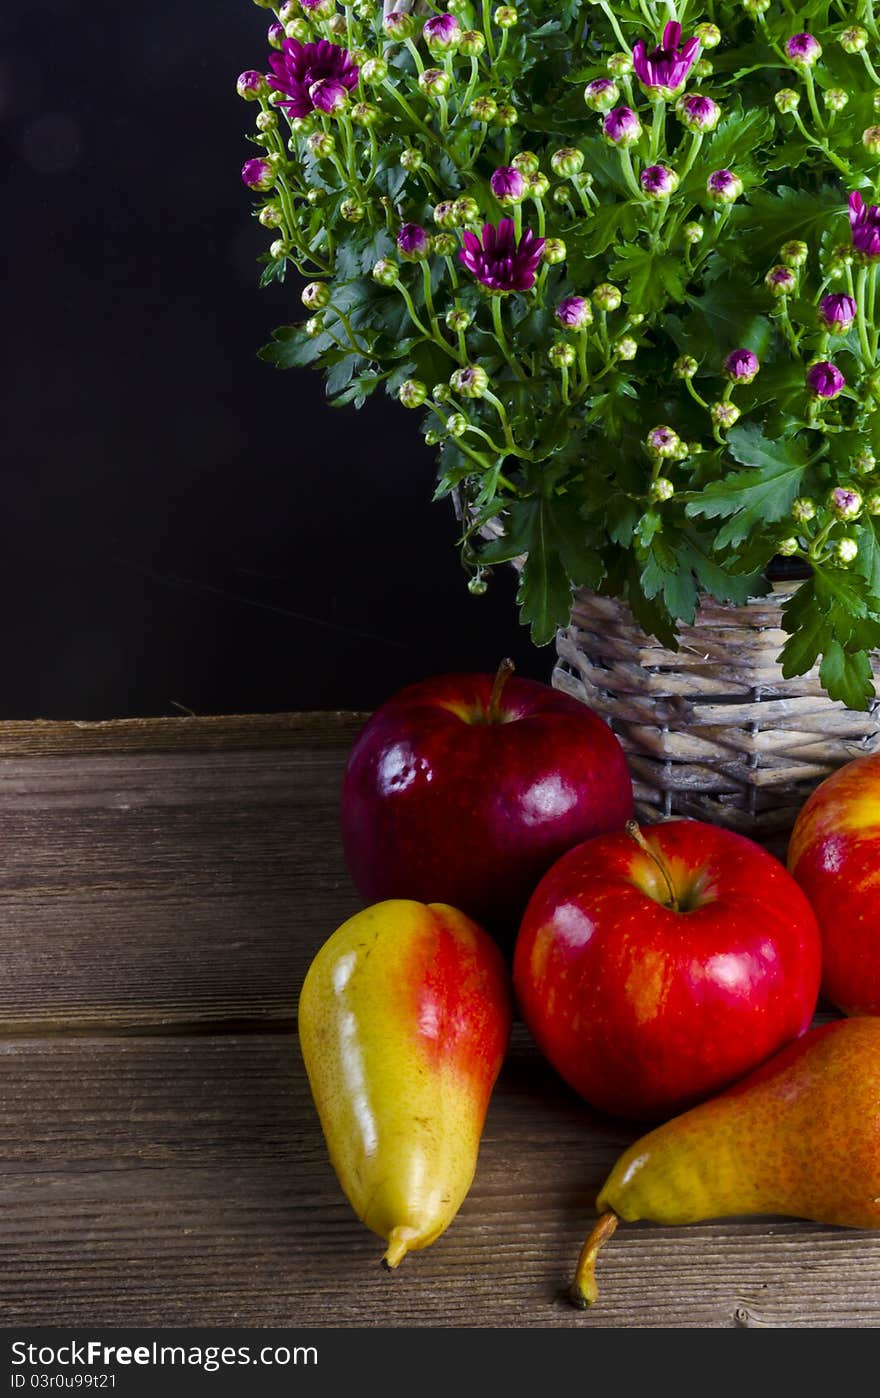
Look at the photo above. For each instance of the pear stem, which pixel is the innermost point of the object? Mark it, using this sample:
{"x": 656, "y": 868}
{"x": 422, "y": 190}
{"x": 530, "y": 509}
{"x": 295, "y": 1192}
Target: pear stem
{"x": 635, "y": 833}
{"x": 583, "y": 1289}
{"x": 502, "y": 675}
{"x": 398, "y": 1247}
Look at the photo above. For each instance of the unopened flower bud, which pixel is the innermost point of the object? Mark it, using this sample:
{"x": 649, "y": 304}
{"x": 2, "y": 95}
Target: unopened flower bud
{"x": 267, "y": 121}
{"x": 280, "y": 249}
{"x": 413, "y": 242}
{"x": 458, "y": 319}
{"x": 846, "y": 551}
{"x": 441, "y": 393}
{"x": 574, "y": 313}
{"x": 658, "y": 181}
{"x": 275, "y": 36}
{"x": 442, "y": 33}
{"x": 505, "y": 16}
{"x": 756, "y": 7}
{"x": 787, "y": 100}
{"x": 329, "y": 95}
{"x": 606, "y": 297}
{"x": 663, "y": 441}
{"x": 477, "y": 586}
{"x": 685, "y": 367}
{"x": 561, "y": 355}
{"x": 781, "y": 281}
{"x": 803, "y": 50}
{"x": 375, "y": 70}
{"x": 741, "y": 366}
{"x": 661, "y": 489}
{"x": 445, "y": 244}
{"x": 625, "y": 348}
{"x": 698, "y": 113}
{"x": 601, "y": 94}
{"x": 622, "y": 127}
{"x": 483, "y": 109}
{"x": 412, "y": 393}
{"x": 470, "y": 382}
{"x": 471, "y": 43}
{"x": 554, "y": 250}
{"x": 385, "y": 272}
{"x": 835, "y": 98}
{"x": 322, "y": 144}
{"x": 566, "y": 162}
{"x": 507, "y": 115}
{"x": 457, "y": 424}
{"x": 539, "y": 185}
{"x": 258, "y": 174}
{"x": 434, "y": 83}
{"x": 788, "y": 547}
{"x": 837, "y": 311}
{"x": 251, "y": 85}
{"x": 824, "y": 379}
{"x": 692, "y": 232}
{"x": 465, "y": 210}
{"x": 399, "y": 25}
{"x": 411, "y": 158}
{"x": 313, "y": 326}
{"x": 724, "y": 414}
{"x": 271, "y": 216}
{"x": 703, "y": 68}
{"x": 723, "y": 186}
{"x": 844, "y": 503}
{"x": 315, "y": 197}
{"x": 298, "y": 29}
{"x": 620, "y": 64}
{"x": 871, "y": 140}
{"x": 561, "y": 196}
{"x": 365, "y": 114}
{"x": 854, "y": 39}
{"x": 315, "y": 296}
{"x": 803, "y": 510}
{"x": 864, "y": 462}
{"x": 872, "y": 504}
{"x": 794, "y": 253}
{"x": 508, "y": 184}
{"x": 444, "y": 213}
{"x": 433, "y": 438}
{"x": 526, "y": 162}
{"x": 709, "y": 35}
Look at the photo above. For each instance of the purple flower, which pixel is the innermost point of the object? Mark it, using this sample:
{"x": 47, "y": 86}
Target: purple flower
{"x": 413, "y": 241}
{"x": 865, "y": 223}
{"x": 250, "y": 85}
{"x": 574, "y": 313}
{"x": 441, "y": 33}
{"x": 845, "y": 503}
{"x": 508, "y": 185}
{"x": 275, "y": 35}
{"x": 803, "y": 50}
{"x": 698, "y": 113}
{"x": 622, "y": 127}
{"x": 741, "y": 365}
{"x": 663, "y": 72}
{"x": 723, "y": 186}
{"x": 328, "y": 95}
{"x": 299, "y": 68}
{"x": 499, "y": 261}
{"x": 824, "y": 379}
{"x": 257, "y": 173}
{"x": 837, "y": 312}
{"x": 658, "y": 181}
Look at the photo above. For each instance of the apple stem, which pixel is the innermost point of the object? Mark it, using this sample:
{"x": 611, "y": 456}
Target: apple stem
{"x": 502, "y": 675}
{"x": 632, "y": 829}
{"x": 583, "y": 1289}
{"x": 398, "y": 1247}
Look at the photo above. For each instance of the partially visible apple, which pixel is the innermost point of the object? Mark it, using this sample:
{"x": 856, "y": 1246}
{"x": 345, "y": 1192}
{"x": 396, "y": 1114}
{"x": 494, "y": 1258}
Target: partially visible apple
{"x": 834, "y": 854}
{"x": 462, "y": 789}
{"x": 655, "y": 966}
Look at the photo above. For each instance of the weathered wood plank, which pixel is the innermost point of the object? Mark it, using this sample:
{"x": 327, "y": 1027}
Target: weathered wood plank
{"x": 175, "y": 889}
{"x": 184, "y": 1181}
{"x": 186, "y": 733}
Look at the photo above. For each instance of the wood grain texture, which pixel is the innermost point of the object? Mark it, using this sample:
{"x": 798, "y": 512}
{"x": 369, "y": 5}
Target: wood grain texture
{"x": 184, "y": 1181}
{"x": 186, "y": 733}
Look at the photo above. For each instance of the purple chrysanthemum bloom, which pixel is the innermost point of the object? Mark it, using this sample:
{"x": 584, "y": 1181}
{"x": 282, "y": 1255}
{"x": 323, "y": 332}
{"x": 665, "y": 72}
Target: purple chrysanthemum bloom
{"x": 824, "y": 379}
{"x": 741, "y": 365}
{"x": 441, "y": 33}
{"x": 329, "y": 95}
{"x": 698, "y": 113}
{"x": 575, "y": 313}
{"x": 508, "y": 185}
{"x": 622, "y": 127}
{"x": 803, "y": 50}
{"x": 663, "y": 72}
{"x": 498, "y": 261}
{"x": 413, "y": 241}
{"x": 723, "y": 186}
{"x": 658, "y": 181}
{"x": 299, "y": 69}
{"x": 865, "y": 224}
{"x": 837, "y": 312}
{"x": 258, "y": 173}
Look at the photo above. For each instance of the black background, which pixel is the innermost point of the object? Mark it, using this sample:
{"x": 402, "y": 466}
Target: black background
{"x": 182, "y": 526}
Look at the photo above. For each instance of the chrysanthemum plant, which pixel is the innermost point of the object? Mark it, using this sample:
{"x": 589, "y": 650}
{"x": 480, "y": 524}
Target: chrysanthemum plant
{"x": 622, "y": 258}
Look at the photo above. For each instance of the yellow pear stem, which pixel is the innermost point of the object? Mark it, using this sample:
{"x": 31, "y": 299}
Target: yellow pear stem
{"x": 398, "y": 1247}
{"x": 584, "y": 1290}
{"x": 635, "y": 833}
{"x": 502, "y": 675}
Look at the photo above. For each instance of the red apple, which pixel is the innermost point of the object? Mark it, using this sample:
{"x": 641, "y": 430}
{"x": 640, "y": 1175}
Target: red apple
{"x": 464, "y": 790}
{"x": 834, "y": 854}
{"x": 654, "y": 967}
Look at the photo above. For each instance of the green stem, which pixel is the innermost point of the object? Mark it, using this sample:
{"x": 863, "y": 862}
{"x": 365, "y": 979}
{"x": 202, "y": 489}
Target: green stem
{"x": 629, "y": 174}
{"x": 658, "y": 129}
{"x": 390, "y": 88}
{"x": 416, "y": 56}
{"x": 500, "y": 336}
{"x": 688, "y": 383}
{"x": 861, "y": 307}
{"x": 696, "y": 142}
{"x": 612, "y": 20}
{"x": 811, "y": 98}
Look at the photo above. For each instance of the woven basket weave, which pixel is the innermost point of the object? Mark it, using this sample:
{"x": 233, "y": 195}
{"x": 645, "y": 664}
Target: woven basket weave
{"x": 711, "y": 731}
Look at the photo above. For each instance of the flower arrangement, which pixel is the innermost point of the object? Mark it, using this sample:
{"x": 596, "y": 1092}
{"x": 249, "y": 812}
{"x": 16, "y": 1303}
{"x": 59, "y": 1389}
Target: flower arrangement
{"x": 622, "y": 257}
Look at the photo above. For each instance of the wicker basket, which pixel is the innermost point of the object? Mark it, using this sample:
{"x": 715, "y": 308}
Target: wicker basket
{"x": 711, "y": 731}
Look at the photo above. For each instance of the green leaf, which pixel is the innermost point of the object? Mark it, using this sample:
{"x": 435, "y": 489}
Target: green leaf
{"x": 768, "y": 219}
{"x": 549, "y": 530}
{"x": 652, "y": 278}
{"x": 730, "y": 313}
{"x": 725, "y": 586}
{"x": 757, "y": 496}
{"x": 868, "y": 560}
{"x": 833, "y": 615}
{"x": 292, "y": 348}
{"x": 847, "y": 676}
{"x": 667, "y": 574}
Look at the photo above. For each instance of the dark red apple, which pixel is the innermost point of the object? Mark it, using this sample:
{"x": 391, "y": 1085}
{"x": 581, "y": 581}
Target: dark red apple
{"x": 463, "y": 789}
{"x": 655, "y": 966}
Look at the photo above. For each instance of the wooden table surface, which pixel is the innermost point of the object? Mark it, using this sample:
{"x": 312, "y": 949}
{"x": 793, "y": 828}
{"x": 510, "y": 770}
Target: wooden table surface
{"x": 164, "y": 885}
